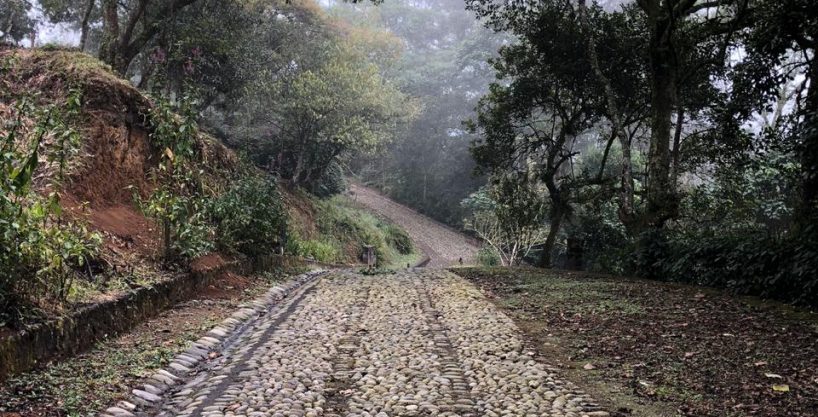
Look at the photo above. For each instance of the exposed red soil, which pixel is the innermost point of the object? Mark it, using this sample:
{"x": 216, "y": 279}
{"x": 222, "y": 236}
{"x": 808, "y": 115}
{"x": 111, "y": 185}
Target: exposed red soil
{"x": 227, "y": 286}
{"x": 207, "y": 263}
{"x": 116, "y": 164}
{"x": 124, "y": 227}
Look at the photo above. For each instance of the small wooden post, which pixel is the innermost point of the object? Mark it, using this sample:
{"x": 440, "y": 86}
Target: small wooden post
{"x": 369, "y": 256}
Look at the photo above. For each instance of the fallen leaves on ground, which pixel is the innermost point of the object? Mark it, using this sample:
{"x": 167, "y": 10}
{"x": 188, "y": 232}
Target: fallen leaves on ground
{"x": 700, "y": 351}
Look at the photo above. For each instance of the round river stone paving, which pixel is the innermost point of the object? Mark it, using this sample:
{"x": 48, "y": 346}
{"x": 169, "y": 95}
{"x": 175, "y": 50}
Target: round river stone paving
{"x": 420, "y": 342}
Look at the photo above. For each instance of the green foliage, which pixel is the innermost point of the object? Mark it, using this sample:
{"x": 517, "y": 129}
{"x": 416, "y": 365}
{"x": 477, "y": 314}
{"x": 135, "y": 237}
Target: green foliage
{"x": 185, "y": 230}
{"x": 488, "y": 256}
{"x": 305, "y": 122}
{"x": 15, "y": 23}
{"x": 398, "y": 239}
{"x": 41, "y": 252}
{"x": 178, "y": 203}
{"x": 343, "y": 231}
{"x": 249, "y": 216}
{"x": 508, "y": 216}
{"x": 316, "y": 249}
{"x": 330, "y": 183}
{"x": 782, "y": 268}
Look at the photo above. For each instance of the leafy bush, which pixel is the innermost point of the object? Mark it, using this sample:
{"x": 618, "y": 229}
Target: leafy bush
{"x": 782, "y": 268}
{"x": 330, "y": 183}
{"x": 398, "y": 239}
{"x": 316, "y": 249}
{"x": 487, "y": 256}
{"x": 179, "y": 202}
{"x": 185, "y": 230}
{"x": 249, "y": 216}
{"x": 41, "y": 252}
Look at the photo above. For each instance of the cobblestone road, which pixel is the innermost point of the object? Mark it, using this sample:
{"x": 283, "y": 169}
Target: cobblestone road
{"x": 417, "y": 343}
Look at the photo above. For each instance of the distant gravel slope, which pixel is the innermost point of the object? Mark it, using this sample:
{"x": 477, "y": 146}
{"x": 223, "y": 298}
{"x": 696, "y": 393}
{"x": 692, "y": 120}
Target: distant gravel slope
{"x": 442, "y": 244}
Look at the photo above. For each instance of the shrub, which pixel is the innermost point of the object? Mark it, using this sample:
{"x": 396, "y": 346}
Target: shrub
{"x": 398, "y": 239}
{"x": 41, "y": 252}
{"x": 330, "y": 183}
{"x": 316, "y": 249}
{"x": 178, "y": 203}
{"x": 185, "y": 230}
{"x": 745, "y": 263}
{"x": 487, "y": 256}
{"x": 249, "y": 216}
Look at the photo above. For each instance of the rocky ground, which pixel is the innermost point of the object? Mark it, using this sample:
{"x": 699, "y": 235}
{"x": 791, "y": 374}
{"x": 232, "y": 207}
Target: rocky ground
{"x": 443, "y": 245}
{"x": 417, "y": 343}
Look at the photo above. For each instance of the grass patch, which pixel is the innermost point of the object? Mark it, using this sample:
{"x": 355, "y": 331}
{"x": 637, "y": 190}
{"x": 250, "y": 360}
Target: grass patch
{"x": 343, "y": 229}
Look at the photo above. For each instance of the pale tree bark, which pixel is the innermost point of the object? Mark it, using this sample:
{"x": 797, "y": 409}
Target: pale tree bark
{"x": 84, "y": 26}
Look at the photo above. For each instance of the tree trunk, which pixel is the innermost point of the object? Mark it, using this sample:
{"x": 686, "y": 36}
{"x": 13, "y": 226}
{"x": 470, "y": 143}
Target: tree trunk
{"x": 551, "y": 239}
{"x": 677, "y": 144}
{"x": 808, "y": 212}
{"x": 627, "y": 211}
{"x": 110, "y": 32}
{"x": 86, "y": 17}
{"x": 661, "y": 198}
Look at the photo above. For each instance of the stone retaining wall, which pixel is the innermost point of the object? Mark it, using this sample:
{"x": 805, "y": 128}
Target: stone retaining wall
{"x": 70, "y": 335}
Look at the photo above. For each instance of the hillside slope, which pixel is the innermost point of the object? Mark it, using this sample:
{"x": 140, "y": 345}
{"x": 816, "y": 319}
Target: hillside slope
{"x": 443, "y": 245}
{"x": 122, "y": 164}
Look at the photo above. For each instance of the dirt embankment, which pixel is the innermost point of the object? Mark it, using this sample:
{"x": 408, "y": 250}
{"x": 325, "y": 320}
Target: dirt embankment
{"x": 442, "y": 244}
{"x": 116, "y": 156}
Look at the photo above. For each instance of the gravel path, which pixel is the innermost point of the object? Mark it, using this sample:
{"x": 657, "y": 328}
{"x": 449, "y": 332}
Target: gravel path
{"x": 421, "y": 342}
{"x": 443, "y": 245}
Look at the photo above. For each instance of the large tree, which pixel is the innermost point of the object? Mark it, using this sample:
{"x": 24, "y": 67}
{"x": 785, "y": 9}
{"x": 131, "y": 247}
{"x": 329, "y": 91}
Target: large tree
{"x": 531, "y": 121}
{"x": 680, "y": 46}
{"x": 781, "y": 50}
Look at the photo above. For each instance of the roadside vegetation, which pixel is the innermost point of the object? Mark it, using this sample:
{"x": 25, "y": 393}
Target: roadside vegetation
{"x": 343, "y": 228}
{"x": 93, "y": 380}
{"x": 670, "y": 140}
{"x": 115, "y": 170}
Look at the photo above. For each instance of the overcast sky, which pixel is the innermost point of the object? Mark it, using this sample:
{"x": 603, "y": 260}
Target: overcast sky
{"x": 50, "y": 33}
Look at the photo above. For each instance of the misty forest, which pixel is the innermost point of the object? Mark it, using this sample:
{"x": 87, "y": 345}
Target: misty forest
{"x": 408, "y": 208}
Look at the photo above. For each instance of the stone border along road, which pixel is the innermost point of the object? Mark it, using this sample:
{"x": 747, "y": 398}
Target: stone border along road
{"x": 219, "y": 339}
{"x": 421, "y": 342}
{"x": 444, "y": 245}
